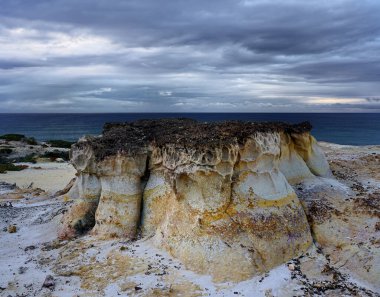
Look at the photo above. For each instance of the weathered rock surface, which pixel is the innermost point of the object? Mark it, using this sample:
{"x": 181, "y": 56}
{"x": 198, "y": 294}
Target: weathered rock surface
{"x": 217, "y": 196}
{"x": 344, "y": 213}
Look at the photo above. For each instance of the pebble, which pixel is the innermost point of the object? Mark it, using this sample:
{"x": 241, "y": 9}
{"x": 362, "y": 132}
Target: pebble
{"x": 22, "y": 269}
{"x": 12, "y": 229}
{"x": 29, "y": 248}
{"x": 49, "y": 282}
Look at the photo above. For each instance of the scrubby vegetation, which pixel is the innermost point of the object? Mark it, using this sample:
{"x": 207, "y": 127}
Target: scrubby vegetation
{"x": 31, "y": 141}
{"x": 26, "y": 152}
{"x": 7, "y": 165}
{"x": 11, "y": 167}
{"x": 31, "y": 158}
{"x": 5, "y": 151}
{"x": 60, "y": 143}
{"x": 56, "y": 154}
{"x": 12, "y": 137}
{"x": 19, "y": 137}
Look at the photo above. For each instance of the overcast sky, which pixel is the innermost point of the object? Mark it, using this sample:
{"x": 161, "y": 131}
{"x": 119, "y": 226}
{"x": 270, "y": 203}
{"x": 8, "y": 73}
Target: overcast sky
{"x": 200, "y": 56}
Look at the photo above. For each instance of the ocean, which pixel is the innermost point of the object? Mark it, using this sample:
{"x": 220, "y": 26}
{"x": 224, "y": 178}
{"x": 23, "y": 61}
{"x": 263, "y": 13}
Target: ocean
{"x": 341, "y": 128}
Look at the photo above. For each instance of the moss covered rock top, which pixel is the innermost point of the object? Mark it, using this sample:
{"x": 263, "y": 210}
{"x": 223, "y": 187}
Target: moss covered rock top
{"x": 136, "y": 137}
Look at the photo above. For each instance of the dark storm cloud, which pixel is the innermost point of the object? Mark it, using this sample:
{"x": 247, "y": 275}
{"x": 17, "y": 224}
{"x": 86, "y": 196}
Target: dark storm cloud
{"x": 8, "y": 64}
{"x": 223, "y": 55}
{"x": 340, "y": 71}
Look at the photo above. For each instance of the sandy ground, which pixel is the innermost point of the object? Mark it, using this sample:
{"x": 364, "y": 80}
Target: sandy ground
{"x": 49, "y": 176}
{"x": 87, "y": 267}
{"x": 34, "y": 263}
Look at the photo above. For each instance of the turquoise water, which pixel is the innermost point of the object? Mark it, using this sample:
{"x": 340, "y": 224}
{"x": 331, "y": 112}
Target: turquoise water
{"x": 342, "y": 128}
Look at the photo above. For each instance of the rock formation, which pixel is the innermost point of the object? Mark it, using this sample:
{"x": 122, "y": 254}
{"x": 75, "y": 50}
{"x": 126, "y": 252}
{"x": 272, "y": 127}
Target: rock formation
{"x": 344, "y": 213}
{"x": 218, "y": 196}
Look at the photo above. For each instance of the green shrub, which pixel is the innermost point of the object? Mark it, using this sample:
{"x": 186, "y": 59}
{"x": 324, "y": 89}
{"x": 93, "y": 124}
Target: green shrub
{"x": 5, "y": 151}
{"x": 56, "y": 154}
{"x": 31, "y": 141}
{"x": 60, "y": 143}
{"x": 31, "y": 158}
{"x": 11, "y": 167}
{"x": 12, "y": 137}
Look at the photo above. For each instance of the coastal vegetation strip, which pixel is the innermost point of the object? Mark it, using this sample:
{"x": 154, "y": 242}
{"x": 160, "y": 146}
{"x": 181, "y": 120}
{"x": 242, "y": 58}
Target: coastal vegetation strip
{"x": 18, "y": 148}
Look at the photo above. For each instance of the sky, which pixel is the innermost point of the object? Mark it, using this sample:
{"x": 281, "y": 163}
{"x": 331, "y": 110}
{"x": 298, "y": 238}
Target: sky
{"x": 189, "y": 56}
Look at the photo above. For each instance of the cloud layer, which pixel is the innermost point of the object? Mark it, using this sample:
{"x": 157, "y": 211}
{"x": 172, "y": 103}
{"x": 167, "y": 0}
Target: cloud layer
{"x": 218, "y": 55}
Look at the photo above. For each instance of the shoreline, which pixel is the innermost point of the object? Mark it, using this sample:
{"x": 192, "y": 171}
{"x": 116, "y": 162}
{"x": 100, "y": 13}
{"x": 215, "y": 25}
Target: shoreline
{"x": 331, "y": 127}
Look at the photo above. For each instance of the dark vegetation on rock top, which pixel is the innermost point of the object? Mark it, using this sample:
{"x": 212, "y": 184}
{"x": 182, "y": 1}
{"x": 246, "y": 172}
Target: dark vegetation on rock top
{"x": 135, "y": 137}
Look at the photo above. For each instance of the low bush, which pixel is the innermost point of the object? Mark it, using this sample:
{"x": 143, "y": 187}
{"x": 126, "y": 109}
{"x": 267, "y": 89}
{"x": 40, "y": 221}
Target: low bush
{"x": 60, "y": 143}
{"x": 11, "y": 167}
{"x": 19, "y": 137}
{"x": 5, "y": 151}
{"x": 31, "y": 158}
{"x": 12, "y": 137}
{"x": 56, "y": 154}
{"x": 31, "y": 141}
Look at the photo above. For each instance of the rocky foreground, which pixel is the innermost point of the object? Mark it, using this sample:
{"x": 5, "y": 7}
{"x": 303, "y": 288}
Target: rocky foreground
{"x": 178, "y": 208}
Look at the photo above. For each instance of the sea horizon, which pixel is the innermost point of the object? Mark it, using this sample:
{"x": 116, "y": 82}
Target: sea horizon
{"x": 175, "y": 112}
{"x": 341, "y": 128}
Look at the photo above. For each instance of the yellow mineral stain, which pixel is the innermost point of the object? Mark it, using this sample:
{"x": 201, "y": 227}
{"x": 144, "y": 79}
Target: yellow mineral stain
{"x": 119, "y": 198}
{"x": 96, "y": 275}
{"x": 289, "y": 199}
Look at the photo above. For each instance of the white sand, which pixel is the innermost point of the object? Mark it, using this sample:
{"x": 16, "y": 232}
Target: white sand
{"x": 51, "y": 176}
{"x": 23, "y": 270}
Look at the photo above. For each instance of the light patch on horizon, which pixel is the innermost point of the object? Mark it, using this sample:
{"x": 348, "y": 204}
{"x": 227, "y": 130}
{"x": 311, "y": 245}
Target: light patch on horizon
{"x": 321, "y": 100}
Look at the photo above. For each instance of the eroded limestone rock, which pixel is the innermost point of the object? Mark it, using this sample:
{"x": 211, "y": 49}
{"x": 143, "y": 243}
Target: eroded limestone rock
{"x": 217, "y": 196}
{"x": 343, "y": 213}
